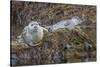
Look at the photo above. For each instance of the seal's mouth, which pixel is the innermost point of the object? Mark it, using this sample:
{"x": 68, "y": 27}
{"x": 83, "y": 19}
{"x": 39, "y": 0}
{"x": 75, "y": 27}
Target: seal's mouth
{"x": 35, "y": 29}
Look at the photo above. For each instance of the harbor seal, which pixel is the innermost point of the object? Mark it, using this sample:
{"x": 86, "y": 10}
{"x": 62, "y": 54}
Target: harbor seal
{"x": 33, "y": 33}
{"x": 68, "y": 23}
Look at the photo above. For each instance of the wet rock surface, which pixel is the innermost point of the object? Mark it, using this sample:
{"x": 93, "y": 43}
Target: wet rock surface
{"x": 62, "y": 46}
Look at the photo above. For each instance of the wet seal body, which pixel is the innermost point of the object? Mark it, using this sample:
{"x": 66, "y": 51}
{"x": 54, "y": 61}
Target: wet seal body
{"x": 68, "y": 23}
{"x": 33, "y": 33}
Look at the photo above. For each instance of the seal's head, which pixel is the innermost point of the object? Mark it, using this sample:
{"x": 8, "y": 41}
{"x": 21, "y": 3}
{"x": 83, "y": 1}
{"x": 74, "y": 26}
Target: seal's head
{"x": 33, "y": 25}
{"x": 76, "y": 20}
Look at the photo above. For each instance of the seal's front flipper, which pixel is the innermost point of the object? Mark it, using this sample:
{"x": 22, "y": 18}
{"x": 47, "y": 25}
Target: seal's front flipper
{"x": 32, "y": 44}
{"x": 44, "y": 29}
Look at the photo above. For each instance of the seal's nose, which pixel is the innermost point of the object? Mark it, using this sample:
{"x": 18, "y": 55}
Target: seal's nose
{"x": 35, "y": 26}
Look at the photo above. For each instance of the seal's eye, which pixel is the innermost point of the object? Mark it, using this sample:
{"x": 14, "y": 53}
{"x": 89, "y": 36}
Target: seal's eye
{"x": 31, "y": 24}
